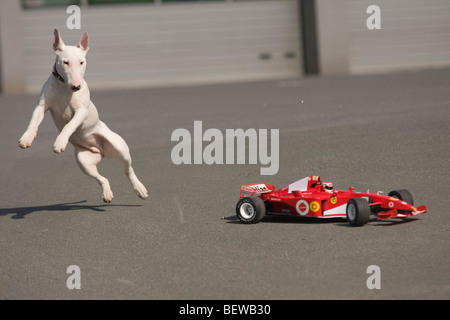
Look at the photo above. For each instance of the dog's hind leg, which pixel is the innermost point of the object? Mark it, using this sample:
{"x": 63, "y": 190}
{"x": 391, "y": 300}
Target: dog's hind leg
{"x": 88, "y": 160}
{"x": 114, "y": 146}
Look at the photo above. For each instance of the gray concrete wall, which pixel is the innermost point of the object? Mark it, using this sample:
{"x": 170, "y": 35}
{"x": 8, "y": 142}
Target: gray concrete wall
{"x": 12, "y": 69}
{"x": 332, "y": 34}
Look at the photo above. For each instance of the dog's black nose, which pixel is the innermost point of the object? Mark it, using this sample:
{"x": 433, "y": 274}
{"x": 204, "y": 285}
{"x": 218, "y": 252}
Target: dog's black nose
{"x": 76, "y": 88}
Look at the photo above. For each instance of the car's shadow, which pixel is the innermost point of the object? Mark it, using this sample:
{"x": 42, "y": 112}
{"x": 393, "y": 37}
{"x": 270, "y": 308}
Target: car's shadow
{"x": 22, "y": 212}
{"x": 272, "y": 218}
{"x": 341, "y": 222}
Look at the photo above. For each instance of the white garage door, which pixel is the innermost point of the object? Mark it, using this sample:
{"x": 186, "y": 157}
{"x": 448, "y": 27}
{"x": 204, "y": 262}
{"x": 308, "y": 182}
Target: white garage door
{"x": 177, "y": 44}
{"x": 414, "y": 34}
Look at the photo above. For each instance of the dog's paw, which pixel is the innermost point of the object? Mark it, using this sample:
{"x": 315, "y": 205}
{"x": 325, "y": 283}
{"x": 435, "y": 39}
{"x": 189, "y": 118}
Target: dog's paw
{"x": 60, "y": 144}
{"x": 107, "y": 196}
{"x": 26, "y": 140}
{"x": 141, "y": 191}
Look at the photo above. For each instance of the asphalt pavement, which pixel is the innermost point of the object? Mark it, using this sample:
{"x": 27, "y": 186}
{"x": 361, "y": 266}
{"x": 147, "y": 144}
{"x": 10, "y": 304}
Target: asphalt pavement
{"x": 377, "y": 132}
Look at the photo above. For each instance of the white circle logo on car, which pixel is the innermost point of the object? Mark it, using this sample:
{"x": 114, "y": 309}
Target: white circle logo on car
{"x": 391, "y": 204}
{"x": 302, "y": 207}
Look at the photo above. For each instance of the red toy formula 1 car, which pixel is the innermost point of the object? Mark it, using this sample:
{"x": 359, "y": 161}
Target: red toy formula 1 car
{"x": 311, "y": 198}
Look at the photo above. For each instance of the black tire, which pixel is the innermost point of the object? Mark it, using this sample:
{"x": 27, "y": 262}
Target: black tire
{"x": 251, "y": 209}
{"x": 358, "y": 212}
{"x": 403, "y": 195}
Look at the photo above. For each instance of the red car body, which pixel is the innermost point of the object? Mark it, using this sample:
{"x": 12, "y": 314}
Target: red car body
{"x": 308, "y": 197}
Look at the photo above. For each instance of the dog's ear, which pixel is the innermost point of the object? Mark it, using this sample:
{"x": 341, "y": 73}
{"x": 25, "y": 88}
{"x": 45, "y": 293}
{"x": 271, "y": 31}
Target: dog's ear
{"x": 58, "y": 44}
{"x": 84, "y": 42}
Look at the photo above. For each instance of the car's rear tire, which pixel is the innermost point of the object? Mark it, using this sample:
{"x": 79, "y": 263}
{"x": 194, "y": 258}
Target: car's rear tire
{"x": 403, "y": 195}
{"x": 358, "y": 212}
{"x": 251, "y": 209}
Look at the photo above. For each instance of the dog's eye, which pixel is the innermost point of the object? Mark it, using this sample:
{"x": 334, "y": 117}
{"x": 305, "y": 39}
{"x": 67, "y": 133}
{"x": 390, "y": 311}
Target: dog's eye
{"x": 81, "y": 62}
{"x": 66, "y": 62}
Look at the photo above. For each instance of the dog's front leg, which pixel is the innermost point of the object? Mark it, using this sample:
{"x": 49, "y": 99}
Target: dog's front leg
{"x": 30, "y": 134}
{"x": 63, "y": 138}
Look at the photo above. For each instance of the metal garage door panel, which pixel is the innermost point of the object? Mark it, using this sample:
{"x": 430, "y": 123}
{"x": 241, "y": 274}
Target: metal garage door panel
{"x": 146, "y": 45}
{"x": 414, "y": 34}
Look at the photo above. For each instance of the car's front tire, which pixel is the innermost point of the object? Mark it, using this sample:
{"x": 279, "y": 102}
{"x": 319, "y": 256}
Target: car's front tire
{"x": 403, "y": 195}
{"x": 250, "y": 209}
{"x": 358, "y": 212}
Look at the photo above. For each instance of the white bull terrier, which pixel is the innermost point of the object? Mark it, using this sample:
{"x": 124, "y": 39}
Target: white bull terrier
{"x": 67, "y": 96}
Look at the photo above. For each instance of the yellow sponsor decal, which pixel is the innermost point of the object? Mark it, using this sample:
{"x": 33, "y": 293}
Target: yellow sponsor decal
{"x": 314, "y": 206}
{"x": 333, "y": 200}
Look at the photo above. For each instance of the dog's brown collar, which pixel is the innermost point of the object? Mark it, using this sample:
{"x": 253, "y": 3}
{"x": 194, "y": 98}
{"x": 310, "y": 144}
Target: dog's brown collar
{"x": 56, "y": 74}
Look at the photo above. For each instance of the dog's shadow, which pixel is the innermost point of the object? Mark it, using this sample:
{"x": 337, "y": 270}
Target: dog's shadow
{"x": 21, "y": 212}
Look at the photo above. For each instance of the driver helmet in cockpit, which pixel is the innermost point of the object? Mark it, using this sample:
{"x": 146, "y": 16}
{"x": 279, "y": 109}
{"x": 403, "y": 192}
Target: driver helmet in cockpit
{"x": 328, "y": 186}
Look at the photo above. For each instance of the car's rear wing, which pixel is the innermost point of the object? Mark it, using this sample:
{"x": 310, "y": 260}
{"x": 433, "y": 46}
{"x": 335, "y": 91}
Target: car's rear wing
{"x": 250, "y": 190}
